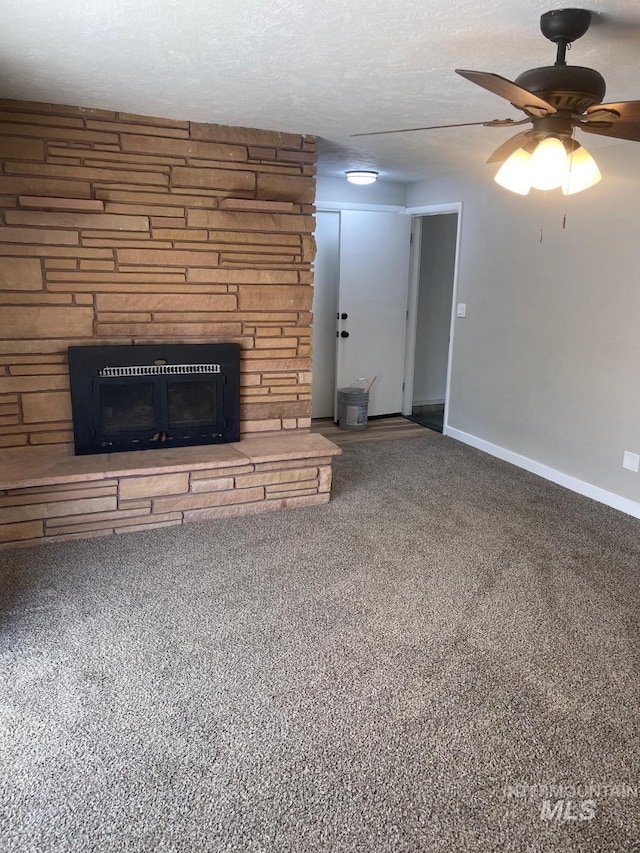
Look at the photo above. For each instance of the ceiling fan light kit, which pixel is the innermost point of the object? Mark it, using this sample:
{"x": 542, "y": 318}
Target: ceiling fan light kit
{"x": 557, "y": 100}
{"x": 550, "y": 167}
{"x": 361, "y": 177}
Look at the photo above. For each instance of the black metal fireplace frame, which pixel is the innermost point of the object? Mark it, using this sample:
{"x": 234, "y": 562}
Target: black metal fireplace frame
{"x": 158, "y": 368}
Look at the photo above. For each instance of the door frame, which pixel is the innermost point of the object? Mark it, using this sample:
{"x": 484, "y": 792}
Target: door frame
{"x": 416, "y": 214}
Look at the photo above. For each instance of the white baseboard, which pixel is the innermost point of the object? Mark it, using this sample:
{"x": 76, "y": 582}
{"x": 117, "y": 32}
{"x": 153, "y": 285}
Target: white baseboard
{"x": 587, "y": 489}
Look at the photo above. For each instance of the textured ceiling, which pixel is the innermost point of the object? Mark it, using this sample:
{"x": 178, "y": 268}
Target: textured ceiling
{"x": 325, "y": 67}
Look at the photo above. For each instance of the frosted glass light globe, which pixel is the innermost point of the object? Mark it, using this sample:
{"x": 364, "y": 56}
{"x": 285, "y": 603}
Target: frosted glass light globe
{"x": 549, "y": 164}
{"x": 583, "y": 172}
{"x": 515, "y": 172}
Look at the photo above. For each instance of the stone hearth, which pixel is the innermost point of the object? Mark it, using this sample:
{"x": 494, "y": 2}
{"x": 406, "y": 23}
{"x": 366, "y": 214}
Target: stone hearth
{"x": 48, "y": 494}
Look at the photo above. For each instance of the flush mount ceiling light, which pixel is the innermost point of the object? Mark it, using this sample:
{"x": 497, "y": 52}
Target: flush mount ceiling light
{"x": 556, "y": 99}
{"x": 361, "y": 177}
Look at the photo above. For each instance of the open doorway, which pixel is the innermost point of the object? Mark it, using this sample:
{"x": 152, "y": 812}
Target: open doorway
{"x": 435, "y": 241}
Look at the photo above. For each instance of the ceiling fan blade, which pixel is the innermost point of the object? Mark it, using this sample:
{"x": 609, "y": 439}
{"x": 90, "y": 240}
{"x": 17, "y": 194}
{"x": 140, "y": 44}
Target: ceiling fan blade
{"x": 430, "y": 127}
{"x": 616, "y": 130}
{"x": 626, "y": 110}
{"x": 519, "y": 97}
{"x": 507, "y": 148}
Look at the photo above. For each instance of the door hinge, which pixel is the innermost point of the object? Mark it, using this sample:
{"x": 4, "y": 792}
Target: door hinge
{"x": 411, "y": 238}
{"x": 403, "y": 386}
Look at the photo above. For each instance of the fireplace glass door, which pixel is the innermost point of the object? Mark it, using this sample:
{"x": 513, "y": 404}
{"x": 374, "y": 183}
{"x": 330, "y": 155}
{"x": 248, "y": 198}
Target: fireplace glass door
{"x": 126, "y": 407}
{"x": 162, "y": 411}
{"x": 191, "y": 403}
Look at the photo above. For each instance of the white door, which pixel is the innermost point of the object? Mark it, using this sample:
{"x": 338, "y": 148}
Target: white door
{"x": 374, "y": 275}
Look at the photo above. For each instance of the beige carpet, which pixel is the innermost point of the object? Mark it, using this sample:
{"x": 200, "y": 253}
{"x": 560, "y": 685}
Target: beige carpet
{"x": 410, "y": 668}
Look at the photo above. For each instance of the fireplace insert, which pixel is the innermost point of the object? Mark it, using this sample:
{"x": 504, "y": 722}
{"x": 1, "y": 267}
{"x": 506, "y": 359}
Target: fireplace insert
{"x": 148, "y": 396}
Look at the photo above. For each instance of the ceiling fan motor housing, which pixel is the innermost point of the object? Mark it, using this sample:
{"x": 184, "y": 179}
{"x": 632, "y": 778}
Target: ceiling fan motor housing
{"x": 566, "y": 87}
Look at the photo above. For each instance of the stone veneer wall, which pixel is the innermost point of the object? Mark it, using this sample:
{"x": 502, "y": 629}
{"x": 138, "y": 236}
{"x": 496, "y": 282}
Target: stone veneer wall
{"x": 120, "y": 229}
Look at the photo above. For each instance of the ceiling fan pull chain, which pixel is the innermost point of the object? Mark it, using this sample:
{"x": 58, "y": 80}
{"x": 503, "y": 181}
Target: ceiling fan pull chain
{"x": 544, "y": 208}
{"x": 566, "y": 197}
{"x": 544, "y": 213}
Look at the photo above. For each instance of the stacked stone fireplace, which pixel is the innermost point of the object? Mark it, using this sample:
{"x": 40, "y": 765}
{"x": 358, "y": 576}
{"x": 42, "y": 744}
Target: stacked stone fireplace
{"x": 122, "y": 230}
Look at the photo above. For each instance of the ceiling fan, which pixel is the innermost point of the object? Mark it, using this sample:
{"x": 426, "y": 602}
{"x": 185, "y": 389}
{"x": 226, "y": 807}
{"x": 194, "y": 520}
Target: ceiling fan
{"x": 556, "y": 100}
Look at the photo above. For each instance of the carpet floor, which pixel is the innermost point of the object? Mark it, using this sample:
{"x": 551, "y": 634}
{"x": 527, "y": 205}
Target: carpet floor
{"x": 431, "y": 662}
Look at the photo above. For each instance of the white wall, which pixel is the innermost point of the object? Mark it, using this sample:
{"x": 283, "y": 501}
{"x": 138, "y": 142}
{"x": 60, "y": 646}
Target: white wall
{"x": 435, "y": 288}
{"x": 547, "y": 362}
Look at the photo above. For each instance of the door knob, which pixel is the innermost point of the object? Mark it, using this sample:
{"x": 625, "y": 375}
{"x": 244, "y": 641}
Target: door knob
{"x": 344, "y": 334}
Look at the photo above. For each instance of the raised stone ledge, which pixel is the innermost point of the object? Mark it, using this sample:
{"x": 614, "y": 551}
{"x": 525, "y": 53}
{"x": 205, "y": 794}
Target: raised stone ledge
{"x": 48, "y": 494}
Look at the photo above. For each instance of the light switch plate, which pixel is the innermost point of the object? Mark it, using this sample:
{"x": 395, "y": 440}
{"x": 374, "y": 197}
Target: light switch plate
{"x": 631, "y": 461}
{"x": 462, "y": 309}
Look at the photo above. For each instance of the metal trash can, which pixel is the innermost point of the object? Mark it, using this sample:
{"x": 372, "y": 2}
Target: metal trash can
{"x": 353, "y": 406}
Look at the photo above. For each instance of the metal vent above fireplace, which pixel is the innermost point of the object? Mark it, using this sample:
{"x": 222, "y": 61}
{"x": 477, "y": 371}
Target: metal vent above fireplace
{"x": 159, "y": 370}
{"x": 150, "y": 396}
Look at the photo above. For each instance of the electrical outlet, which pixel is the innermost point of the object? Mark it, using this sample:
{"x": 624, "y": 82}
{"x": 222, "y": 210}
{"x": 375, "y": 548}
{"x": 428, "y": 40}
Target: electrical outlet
{"x": 462, "y": 309}
{"x": 631, "y": 461}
